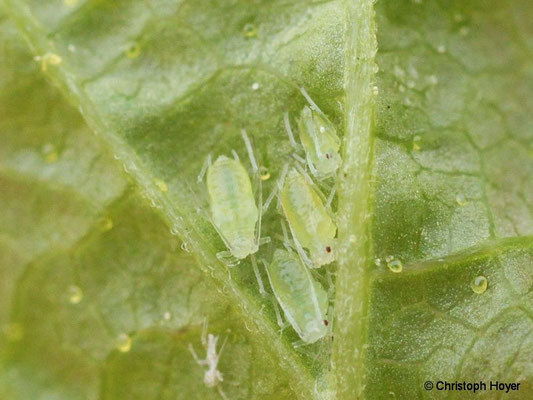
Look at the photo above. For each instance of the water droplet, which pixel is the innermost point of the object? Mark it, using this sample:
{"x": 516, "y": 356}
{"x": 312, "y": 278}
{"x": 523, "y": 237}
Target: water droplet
{"x": 161, "y": 185}
{"x": 75, "y": 294}
{"x": 441, "y": 49}
{"x": 184, "y": 247}
{"x": 460, "y": 199}
{"x": 50, "y": 153}
{"x": 416, "y": 143}
{"x": 433, "y": 80}
{"x": 133, "y": 50}
{"x": 13, "y": 331}
{"x": 255, "y": 86}
{"x": 123, "y": 343}
{"x": 464, "y": 31}
{"x": 264, "y": 174}
{"x": 106, "y": 224}
{"x": 395, "y": 266}
{"x": 249, "y": 30}
{"x": 479, "y": 284}
{"x": 167, "y": 315}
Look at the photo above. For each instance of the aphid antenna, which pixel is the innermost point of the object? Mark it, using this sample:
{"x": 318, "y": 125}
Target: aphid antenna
{"x": 312, "y": 104}
{"x": 262, "y": 291}
{"x": 205, "y": 166}
{"x": 288, "y": 129}
{"x": 311, "y": 182}
{"x": 330, "y": 197}
{"x": 250, "y": 150}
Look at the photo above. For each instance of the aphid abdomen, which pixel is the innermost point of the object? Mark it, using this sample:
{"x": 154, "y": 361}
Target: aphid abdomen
{"x": 303, "y": 300}
{"x": 320, "y": 141}
{"x": 308, "y": 218}
{"x": 233, "y": 207}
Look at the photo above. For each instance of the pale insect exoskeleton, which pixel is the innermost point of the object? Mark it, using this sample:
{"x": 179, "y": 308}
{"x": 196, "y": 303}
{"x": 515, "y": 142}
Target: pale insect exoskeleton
{"x": 319, "y": 139}
{"x": 310, "y": 222}
{"x": 302, "y": 298}
{"x": 212, "y": 376}
{"x": 234, "y": 213}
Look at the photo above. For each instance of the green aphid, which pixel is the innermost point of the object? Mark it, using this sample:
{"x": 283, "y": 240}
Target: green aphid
{"x": 303, "y": 300}
{"x": 233, "y": 208}
{"x": 311, "y": 224}
{"x": 320, "y": 141}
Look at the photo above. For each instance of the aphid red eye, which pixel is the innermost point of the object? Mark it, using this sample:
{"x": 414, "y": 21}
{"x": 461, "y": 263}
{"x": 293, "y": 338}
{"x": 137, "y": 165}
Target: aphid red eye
{"x": 327, "y": 156}
{"x": 328, "y": 249}
{"x": 326, "y": 322}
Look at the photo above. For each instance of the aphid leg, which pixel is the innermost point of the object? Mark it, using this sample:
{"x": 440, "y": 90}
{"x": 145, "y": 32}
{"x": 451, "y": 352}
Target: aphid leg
{"x": 235, "y": 155}
{"x": 299, "y": 249}
{"x": 311, "y": 165}
{"x": 330, "y": 197}
{"x": 288, "y": 129}
{"x": 257, "y": 275}
{"x": 299, "y": 159}
{"x": 277, "y": 187}
{"x": 279, "y": 320}
{"x": 221, "y": 393}
{"x": 227, "y": 258}
{"x": 249, "y": 149}
{"x": 207, "y": 164}
{"x": 310, "y": 100}
{"x": 195, "y": 356}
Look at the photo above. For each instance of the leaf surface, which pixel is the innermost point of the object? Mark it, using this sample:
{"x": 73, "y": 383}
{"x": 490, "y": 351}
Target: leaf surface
{"x": 437, "y": 174}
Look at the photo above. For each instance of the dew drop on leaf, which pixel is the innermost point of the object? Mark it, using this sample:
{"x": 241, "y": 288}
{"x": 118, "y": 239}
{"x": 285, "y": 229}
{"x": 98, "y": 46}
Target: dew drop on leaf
{"x": 161, "y": 185}
{"x": 264, "y": 173}
{"x": 479, "y": 284}
{"x": 75, "y": 294}
{"x": 133, "y": 50}
{"x": 395, "y": 266}
{"x": 460, "y": 199}
{"x": 123, "y": 343}
{"x": 249, "y": 30}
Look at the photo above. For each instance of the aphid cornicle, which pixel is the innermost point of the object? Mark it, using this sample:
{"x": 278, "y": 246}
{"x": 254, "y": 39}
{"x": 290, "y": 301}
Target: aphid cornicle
{"x": 311, "y": 225}
{"x": 233, "y": 207}
{"x": 320, "y": 141}
{"x": 303, "y": 300}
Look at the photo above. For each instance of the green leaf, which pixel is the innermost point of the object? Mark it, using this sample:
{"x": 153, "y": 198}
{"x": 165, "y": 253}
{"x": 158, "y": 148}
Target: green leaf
{"x": 84, "y": 262}
{"x": 437, "y": 175}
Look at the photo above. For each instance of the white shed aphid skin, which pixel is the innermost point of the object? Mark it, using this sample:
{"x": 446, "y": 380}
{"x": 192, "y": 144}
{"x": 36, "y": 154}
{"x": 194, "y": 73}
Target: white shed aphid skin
{"x": 318, "y": 137}
{"x": 303, "y": 299}
{"x": 234, "y": 213}
{"x": 311, "y": 224}
{"x": 212, "y": 376}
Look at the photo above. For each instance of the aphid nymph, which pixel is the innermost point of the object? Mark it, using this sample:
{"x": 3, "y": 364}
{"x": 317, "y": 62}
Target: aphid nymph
{"x": 303, "y": 300}
{"x": 311, "y": 224}
{"x": 319, "y": 139}
{"x": 212, "y": 376}
{"x": 234, "y": 213}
